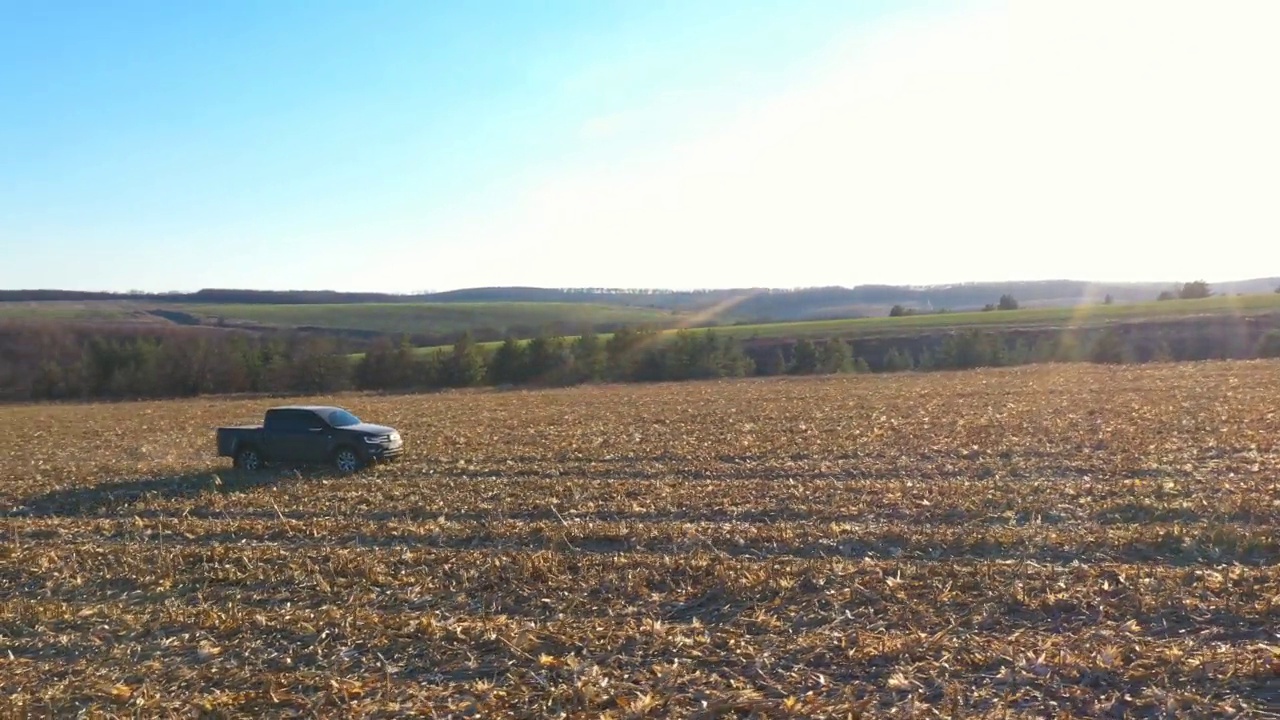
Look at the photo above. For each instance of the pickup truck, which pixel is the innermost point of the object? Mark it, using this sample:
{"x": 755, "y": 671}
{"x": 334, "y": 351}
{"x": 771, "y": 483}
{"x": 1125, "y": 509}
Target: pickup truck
{"x": 309, "y": 434}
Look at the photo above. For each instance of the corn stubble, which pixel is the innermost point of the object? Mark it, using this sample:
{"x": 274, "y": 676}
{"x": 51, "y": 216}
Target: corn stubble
{"x": 1036, "y": 542}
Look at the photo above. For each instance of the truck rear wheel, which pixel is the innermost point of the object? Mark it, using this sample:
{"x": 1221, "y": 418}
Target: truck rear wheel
{"x": 248, "y": 459}
{"x": 346, "y": 460}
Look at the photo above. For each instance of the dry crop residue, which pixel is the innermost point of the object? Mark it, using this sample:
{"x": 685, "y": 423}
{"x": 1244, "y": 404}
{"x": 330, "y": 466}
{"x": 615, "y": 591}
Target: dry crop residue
{"x": 1034, "y": 542}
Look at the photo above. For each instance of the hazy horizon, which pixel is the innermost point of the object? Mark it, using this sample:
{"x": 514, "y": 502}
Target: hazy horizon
{"x": 653, "y": 288}
{"x": 597, "y": 143}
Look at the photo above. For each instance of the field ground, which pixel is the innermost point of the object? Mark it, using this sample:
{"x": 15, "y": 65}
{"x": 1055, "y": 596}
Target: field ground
{"x": 1081, "y": 316}
{"x": 1035, "y": 542}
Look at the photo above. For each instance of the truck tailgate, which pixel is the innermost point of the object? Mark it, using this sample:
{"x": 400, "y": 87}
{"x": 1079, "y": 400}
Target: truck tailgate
{"x": 229, "y": 436}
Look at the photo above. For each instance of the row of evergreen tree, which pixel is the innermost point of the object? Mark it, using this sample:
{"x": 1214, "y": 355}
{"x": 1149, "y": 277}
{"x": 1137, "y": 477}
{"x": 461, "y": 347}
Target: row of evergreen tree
{"x": 642, "y": 356}
{"x": 630, "y": 355}
{"x": 49, "y": 363}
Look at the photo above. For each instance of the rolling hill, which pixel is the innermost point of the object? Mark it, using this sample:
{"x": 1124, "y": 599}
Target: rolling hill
{"x": 518, "y": 318}
{"x": 724, "y": 305}
{"x": 493, "y": 313}
{"x": 1263, "y": 304}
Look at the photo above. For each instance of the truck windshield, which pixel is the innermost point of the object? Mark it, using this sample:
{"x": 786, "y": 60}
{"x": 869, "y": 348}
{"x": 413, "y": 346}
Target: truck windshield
{"x": 342, "y": 418}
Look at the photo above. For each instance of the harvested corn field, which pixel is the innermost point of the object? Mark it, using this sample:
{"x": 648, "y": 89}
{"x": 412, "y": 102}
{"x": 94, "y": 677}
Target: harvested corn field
{"x": 1047, "y": 541}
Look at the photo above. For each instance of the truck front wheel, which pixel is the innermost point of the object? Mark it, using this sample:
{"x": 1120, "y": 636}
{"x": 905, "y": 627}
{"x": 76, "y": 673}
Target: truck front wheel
{"x": 346, "y": 460}
{"x": 248, "y": 459}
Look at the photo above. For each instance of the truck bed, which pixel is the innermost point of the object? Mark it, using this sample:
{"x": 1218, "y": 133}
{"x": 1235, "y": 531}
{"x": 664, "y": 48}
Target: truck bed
{"x": 227, "y": 437}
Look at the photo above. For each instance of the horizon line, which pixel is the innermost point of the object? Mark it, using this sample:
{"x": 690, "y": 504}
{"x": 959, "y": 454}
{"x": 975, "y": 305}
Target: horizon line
{"x": 635, "y": 289}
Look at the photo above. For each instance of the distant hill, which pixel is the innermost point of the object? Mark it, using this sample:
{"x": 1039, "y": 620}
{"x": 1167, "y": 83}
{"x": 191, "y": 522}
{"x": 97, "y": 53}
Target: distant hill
{"x": 421, "y": 323}
{"x": 724, "y": 306}
{"x": 765, "y": 304}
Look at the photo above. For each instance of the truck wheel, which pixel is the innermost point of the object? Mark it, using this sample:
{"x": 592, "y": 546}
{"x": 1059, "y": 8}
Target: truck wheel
{"x": 346, "y": 461}
{"x": 248, "y": 459}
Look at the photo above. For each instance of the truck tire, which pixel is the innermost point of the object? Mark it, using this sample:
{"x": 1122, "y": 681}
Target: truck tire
{"x": 346, "y": 460}
{"x": 247, "y": 458}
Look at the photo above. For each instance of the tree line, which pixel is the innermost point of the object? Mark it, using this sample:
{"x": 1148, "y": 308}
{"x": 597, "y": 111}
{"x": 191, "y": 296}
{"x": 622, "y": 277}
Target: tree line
{"x": 629, "y": 355}
{"x": 54, "y": 361}
{"x": 63, "y": 361}
{"x": 1195, "y": 290}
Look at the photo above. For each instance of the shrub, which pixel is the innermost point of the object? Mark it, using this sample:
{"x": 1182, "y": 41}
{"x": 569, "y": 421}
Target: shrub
{"x": 835, "y": 357}
{"x": 1109, "y": 348}
{"x": 895, "y": 361}
{"x": 1269, "y": 345}
{"x": 805, "y": 361}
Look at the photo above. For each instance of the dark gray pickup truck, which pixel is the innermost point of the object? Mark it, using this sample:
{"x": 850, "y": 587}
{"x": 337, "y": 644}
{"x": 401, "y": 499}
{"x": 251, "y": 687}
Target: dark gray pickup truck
{"x": 309, "y": 434}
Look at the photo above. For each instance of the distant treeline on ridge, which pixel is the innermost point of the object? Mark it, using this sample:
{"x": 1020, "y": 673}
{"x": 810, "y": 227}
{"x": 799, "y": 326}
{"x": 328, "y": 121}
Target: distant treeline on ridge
{"x": 740, "y": 304}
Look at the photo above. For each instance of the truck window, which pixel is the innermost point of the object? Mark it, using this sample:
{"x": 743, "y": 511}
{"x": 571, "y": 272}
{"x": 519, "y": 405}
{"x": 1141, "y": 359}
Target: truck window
{"x": 276, "y": 420}
{"x": 342, "y": 418}
{"x": 286, "y": 420}
{"x": 292, "y": 420}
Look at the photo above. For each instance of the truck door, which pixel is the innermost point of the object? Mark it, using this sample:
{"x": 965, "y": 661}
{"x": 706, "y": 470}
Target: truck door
{"x": 285, "y": 434}
{"x": 315, "y": 438}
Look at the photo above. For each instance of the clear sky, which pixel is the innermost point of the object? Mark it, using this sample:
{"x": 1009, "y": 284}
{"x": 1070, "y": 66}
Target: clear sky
{"x": 413, "y": 145}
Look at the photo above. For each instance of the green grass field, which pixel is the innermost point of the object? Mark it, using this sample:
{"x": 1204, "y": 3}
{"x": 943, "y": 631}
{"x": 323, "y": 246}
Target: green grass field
{"x": 447, "y": 318}
{"x": 72, "y": 311}
{"x": 432, "y": 317}
{"x": 412, "y": 318}
{"x": 1035, "y": 317}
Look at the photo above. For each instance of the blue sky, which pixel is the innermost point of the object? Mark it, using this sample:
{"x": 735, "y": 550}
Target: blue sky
{"x": 429, "y": 145}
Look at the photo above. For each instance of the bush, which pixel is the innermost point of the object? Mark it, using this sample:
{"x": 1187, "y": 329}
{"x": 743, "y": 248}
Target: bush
{"x": 1195, "y": 290}
{"x": 1269, "y": 345}
{"x": 465, "y": 366}
{"x": 508, "y": 365}
{"x": 972, "y": 349}
{"x": 835, "y": 357}
{"x": 895, "y": 361}
{"x": 1109, "y": 348}
{"x": 774, "y": 363}
{"x": 589, "y": 358}
{"x": 805, "y": 360}
{"x": 388, "y": 366}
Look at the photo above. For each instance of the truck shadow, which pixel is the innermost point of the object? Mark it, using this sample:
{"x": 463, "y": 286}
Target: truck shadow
{"x": 109, "y": 498}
